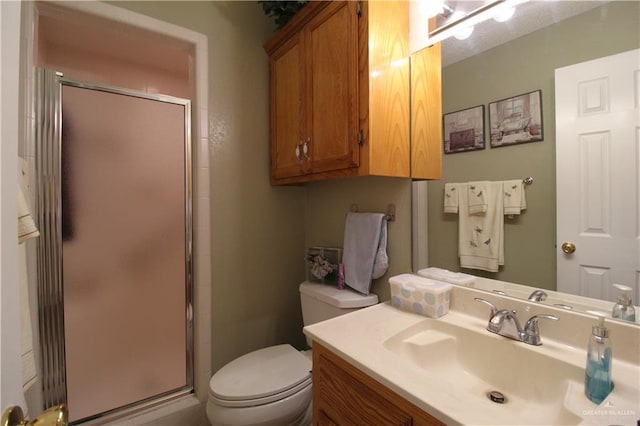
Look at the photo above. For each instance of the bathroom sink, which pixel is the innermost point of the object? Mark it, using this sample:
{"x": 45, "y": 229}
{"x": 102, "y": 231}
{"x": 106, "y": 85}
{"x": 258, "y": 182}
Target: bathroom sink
{"x": 472, "y": 363}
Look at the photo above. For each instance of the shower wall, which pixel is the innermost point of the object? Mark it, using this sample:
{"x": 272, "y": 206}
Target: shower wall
{"x": 89, "y": 48}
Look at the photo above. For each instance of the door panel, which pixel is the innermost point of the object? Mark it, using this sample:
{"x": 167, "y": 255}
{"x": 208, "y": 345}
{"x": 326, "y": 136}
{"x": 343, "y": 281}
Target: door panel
{"x": 123, "y": 251}
{"x": 598, "y": 158}
{"x": 286, "y": 109}
{"x": 333, "y": 70}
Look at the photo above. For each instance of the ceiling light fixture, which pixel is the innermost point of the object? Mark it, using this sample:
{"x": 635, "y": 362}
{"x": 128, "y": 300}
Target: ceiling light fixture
{"x": 431, "y": 8}
{"x": 504, "y": 14}
{"x": 464, "y": 25}
{"x": 464, "y": 32}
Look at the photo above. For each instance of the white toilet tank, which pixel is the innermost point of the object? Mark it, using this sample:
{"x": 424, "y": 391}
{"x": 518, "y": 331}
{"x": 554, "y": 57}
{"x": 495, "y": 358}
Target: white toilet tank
{"x": 323, "y": 301}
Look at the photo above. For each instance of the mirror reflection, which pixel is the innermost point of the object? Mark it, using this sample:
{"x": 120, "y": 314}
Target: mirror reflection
{"x": 568, "y": 33}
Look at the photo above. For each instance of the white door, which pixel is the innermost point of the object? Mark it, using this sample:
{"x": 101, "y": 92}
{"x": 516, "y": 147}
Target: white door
{"x": 597, "y": 161}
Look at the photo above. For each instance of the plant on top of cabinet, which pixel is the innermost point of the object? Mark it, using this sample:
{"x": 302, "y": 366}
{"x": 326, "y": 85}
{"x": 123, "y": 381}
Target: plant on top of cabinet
{"x": 340, "y": 92}
{"x": 281, "y": 10}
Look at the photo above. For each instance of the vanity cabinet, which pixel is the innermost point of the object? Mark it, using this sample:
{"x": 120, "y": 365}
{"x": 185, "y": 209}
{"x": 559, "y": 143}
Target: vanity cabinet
{"x": 340, "y": 95}
{"x": 344, "y": 395}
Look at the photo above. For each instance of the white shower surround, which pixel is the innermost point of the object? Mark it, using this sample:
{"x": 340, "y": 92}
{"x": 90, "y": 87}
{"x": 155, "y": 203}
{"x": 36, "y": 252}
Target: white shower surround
{"x": 200, "y": 170}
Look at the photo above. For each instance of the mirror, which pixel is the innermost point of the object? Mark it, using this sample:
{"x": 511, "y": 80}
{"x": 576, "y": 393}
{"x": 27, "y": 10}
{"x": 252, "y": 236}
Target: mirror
{"x": 480, "y": 71}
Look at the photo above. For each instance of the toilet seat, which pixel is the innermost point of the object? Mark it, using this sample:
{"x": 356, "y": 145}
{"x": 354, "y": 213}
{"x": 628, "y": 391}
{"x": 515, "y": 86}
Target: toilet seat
{"x": 261, "y": 377}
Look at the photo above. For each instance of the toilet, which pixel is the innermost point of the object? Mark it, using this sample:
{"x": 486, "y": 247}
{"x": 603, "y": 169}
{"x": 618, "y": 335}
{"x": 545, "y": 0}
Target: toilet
{"x": 272, "y": 386}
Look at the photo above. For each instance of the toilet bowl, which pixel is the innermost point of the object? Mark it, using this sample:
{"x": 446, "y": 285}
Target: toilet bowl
{"x": 272, "y": 386}
{"x": 267, "y": 387}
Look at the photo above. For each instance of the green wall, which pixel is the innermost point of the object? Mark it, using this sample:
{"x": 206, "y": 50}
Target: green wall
{"x": 328, "y": 202}
{"x": 521, "y": 66}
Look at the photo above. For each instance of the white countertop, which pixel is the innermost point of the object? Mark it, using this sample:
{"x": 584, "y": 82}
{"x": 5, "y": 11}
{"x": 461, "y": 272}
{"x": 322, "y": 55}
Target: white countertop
{"x": 359, "y": 339}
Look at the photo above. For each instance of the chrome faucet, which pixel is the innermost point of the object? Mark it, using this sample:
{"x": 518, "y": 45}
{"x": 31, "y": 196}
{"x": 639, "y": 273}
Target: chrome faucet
{"x": 538, "y": 296}
{"x": 505, "y": 323}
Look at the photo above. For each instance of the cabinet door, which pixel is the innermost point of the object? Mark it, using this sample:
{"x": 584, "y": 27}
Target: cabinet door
{"x": 345, "y": 396}
{"x": 342, "y": 399}
{"x": 286, "y": 96}
{"x": 332, "y": 88}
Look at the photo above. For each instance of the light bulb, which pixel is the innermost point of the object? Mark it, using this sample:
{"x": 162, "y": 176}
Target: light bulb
{"x": 464, "y": 32}
{"x": 504, "y": 14}
{"x": 431, "y": 8}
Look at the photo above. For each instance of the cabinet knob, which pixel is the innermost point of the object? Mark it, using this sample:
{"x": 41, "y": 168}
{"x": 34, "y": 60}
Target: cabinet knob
{"x": 298, "y": 152}
{"x": 305, "y": 149}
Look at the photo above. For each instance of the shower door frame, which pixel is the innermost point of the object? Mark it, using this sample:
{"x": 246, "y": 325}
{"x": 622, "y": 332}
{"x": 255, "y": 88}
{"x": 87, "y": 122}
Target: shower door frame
{"x": 48, "y": 213}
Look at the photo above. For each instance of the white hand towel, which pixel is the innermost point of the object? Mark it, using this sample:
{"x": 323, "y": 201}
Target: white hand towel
{"x": 451, "y": 193}
{"x": 514, "y": 198}
{"x": 26, "y": 226}
{"x": 361, "y": 241}
{"x": 477, "y": 197}
{"x": 26, "y": 229}
{"x": 481, "y": 238}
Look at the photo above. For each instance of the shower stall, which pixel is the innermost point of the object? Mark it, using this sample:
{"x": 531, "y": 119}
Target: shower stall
{"x": 114, "y": 208}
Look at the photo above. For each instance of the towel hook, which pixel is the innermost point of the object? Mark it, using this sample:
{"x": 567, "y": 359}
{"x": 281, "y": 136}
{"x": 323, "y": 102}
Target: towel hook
{"x": 390, "y": 215}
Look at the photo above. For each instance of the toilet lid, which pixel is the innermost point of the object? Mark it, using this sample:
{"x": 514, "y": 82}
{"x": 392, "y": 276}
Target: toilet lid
{"x": 261, "y": 376}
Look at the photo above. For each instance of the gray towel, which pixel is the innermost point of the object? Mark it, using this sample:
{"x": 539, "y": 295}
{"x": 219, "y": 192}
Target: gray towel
{"x": 361, "y": 241}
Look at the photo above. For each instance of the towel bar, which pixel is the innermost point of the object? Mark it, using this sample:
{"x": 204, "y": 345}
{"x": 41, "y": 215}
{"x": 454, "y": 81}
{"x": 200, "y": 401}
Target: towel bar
{"x": 390, "y": 215}
{"x": 528, "y": 180}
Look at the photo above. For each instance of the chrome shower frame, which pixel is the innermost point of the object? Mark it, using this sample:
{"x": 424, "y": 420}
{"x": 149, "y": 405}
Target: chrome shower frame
{"x": 47, "y": 109}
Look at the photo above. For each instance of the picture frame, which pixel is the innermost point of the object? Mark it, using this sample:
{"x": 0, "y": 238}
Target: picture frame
{"x": 463, "y": 130}
{"x": 516, "y": 120}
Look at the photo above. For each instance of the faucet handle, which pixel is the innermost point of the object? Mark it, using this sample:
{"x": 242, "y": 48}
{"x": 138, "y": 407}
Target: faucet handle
{"x": 486, "y": 302}
{"x": 531, "y": 331}
{"x": 537, "y": 296}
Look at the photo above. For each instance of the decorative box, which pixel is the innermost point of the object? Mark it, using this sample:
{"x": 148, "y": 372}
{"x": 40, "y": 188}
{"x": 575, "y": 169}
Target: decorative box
{"x": 420, "y": 295}
{"x": 322, "y": 264}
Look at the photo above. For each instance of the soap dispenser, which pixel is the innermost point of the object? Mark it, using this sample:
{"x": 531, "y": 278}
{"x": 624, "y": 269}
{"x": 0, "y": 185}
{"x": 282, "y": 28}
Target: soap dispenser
{"x": 597, "y": 378}
{"x": 623, "y": 308}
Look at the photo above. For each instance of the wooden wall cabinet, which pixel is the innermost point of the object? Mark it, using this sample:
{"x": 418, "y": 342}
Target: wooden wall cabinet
{"x": 340, "y": 95}
{"x": 344, "y": 395}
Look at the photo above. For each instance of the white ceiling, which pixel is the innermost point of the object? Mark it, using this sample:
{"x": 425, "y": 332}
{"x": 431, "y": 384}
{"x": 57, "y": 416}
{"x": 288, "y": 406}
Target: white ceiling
{"x": 529, "y": 17}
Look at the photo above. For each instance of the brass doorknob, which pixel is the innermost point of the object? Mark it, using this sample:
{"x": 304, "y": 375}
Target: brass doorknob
{"x": 54, "y": 416}
{"x": 568, "y": 247}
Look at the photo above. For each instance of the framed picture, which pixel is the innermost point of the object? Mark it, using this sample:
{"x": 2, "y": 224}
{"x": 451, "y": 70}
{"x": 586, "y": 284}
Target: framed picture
{"x": 516, "y": 120}
{"x": 463, "y": 130}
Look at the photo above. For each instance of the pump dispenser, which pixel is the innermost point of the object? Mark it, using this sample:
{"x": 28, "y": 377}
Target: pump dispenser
{"x": 597, "y": 379}
{"x": 623, "y": 308}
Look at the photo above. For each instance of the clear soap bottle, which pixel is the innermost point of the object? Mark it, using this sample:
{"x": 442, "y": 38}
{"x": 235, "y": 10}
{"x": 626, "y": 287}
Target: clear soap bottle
{"x": 623, "y": 308}
{"x": 597, "y": 378}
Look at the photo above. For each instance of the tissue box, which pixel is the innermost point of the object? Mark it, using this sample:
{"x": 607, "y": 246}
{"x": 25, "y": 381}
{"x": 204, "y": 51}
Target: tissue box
{"x": 420, "y": 295}
{"x": 322, "y": 264}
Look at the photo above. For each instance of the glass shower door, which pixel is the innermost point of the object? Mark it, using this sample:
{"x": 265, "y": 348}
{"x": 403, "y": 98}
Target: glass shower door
{"x": 125, "y": 231}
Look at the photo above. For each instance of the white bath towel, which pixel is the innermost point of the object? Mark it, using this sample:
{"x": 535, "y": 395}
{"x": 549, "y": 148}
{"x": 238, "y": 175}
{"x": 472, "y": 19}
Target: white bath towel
{"x": 481, "y": 238}
{"x": 361, "y": 241}
{"x": 514, "y": 197}
{"x": 451, "y": 194}
{"x": 477, "y": 197}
